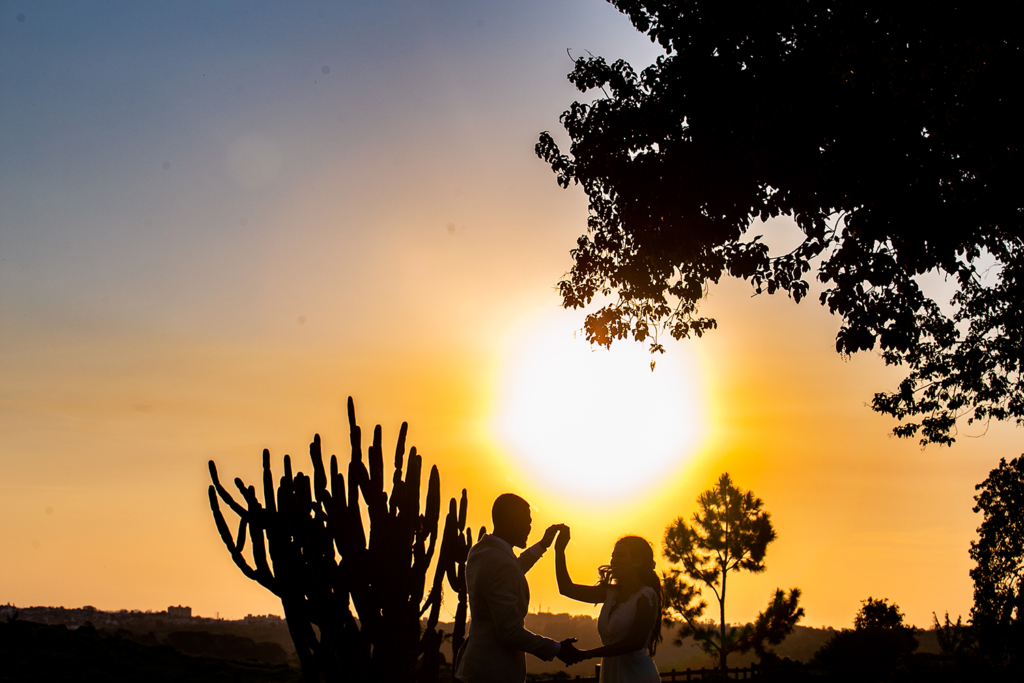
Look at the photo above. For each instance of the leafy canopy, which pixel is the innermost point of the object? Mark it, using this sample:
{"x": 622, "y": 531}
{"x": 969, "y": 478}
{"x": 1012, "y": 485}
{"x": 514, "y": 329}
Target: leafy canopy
{"x": 999, "y": 551}
{"x": 773, "y": 624}
{"x": 878, "y": 614}
{"x": 890, "y": 134}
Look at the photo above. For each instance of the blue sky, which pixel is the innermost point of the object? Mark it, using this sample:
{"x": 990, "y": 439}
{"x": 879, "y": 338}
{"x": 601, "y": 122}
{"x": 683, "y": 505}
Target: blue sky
{"x": 118, "y": 120}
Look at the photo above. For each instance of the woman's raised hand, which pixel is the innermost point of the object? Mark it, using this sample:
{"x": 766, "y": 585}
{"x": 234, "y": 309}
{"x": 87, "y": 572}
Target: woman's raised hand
{"x": 563, "y": 538}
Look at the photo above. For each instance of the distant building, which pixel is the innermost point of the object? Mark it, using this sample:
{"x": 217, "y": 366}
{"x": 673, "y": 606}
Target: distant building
{"x": 180, "y": 612}
{"x": 262, "y": 619}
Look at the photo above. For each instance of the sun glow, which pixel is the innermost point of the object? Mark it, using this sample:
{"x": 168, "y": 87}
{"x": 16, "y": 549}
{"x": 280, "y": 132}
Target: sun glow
{"x": 592, "y": 422}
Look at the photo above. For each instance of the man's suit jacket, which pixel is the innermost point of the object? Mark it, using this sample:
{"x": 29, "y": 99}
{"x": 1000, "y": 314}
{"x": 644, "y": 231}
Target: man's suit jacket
{"x": 499, "y": 599}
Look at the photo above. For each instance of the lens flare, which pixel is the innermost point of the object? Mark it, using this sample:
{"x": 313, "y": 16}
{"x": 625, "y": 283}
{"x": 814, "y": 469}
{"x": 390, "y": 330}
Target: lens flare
{"x": 593, "y": 422}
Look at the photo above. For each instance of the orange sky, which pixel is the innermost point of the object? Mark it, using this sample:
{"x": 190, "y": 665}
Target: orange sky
{"x": 220, "y": 274}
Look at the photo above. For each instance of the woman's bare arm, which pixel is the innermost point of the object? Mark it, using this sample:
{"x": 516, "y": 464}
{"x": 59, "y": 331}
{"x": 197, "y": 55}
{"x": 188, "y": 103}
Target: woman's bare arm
{"x": 643, "y": 624}
{"x": 592, "y": 594}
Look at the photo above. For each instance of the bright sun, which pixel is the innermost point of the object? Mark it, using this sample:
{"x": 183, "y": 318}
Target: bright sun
{"x": 596, "y": 422}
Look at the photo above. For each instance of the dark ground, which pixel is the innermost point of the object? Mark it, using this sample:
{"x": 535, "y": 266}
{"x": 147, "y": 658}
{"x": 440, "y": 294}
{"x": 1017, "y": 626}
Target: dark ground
{"x": 44, "y": 653}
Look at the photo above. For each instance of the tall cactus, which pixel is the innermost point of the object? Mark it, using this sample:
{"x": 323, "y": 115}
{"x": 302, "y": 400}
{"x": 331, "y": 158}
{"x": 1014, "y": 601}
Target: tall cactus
{"x": 354, "y": 596}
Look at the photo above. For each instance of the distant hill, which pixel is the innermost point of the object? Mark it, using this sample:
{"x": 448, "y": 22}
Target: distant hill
{"x": 264, "y": 640}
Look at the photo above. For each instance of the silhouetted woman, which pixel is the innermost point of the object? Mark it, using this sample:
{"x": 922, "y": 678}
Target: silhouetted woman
{"x": 630, "y": 621}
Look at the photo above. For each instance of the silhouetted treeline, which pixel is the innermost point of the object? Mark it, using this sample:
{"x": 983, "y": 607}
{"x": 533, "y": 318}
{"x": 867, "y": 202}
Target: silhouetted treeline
{"x": 198, "y": 649}
{"x": 263, "y": 639}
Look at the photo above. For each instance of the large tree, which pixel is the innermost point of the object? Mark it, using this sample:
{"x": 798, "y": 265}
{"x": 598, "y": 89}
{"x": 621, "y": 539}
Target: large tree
{"x": 999, "y": 555}
{"x": 890, "y": 133}
{"x": 730, "y": 532}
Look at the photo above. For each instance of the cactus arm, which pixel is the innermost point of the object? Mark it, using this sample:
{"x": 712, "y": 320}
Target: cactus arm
{"x": 452, "y": 538}
{"x": 356, "y": 473}
{"x": 460, "y": 551}
{"x": 355, "y": 435}
{"x": 463, "y": 509}
{"x": 375, "y": 497}
{"x": 427, "y": 529}
{"x": 239, "y": 510}
{"x": 218, "y": 518}
{"x": 257, "y": 521}
{"x": 319, "y": 475}
{"x": 225, "y": 534}
{"x": 240, "y": 541}
{"x": 355, "y": 553}
{"x": 268, "y": 483}
{"x": 375, "y": 456}
{"x": 433, "y": 506}
{"x": 366, "y": 487}
{"x": 434, "y": 597}
{"x": 412, "y": 483}
{"x": 337, "y": 508}
{"x": 409, "y": 519}
{"x": 337, "y": 483}
{"x": 400, "y": 446}
{"x": 397, "y": 486}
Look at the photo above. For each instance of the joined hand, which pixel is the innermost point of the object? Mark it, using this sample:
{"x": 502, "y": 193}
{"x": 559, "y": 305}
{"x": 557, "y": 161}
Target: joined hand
{"x": 563, "y": 537}
{"x": 568, "y": 652}
{"x": 549, "y": 534}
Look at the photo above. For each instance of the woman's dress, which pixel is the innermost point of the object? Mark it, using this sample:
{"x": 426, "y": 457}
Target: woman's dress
{"x": 613, "y": 625}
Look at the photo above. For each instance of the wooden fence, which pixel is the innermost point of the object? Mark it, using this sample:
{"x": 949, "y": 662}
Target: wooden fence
{"x": 738, "y": 674}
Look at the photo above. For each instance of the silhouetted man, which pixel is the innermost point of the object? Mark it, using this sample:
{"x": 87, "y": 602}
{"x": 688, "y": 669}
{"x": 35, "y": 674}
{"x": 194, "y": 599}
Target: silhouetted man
{"x": 499, "y": 598}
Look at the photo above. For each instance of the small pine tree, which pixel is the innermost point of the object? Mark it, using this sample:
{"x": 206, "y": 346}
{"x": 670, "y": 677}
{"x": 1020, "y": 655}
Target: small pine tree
{"x": 731, "y": 532}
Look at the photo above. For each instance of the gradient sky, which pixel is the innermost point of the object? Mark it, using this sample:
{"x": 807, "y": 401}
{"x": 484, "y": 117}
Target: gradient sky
{"x": 219, "y": 220}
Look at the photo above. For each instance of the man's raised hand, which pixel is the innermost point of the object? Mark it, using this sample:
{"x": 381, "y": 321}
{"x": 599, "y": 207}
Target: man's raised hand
{"x": 549, "y": 534}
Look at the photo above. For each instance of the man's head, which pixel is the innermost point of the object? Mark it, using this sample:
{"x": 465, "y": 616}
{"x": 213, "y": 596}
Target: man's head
{"x": 512, "y": 519}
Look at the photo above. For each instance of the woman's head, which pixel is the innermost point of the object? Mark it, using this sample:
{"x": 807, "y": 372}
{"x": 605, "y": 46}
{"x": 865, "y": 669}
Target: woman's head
{"x": 632, "y": 557}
